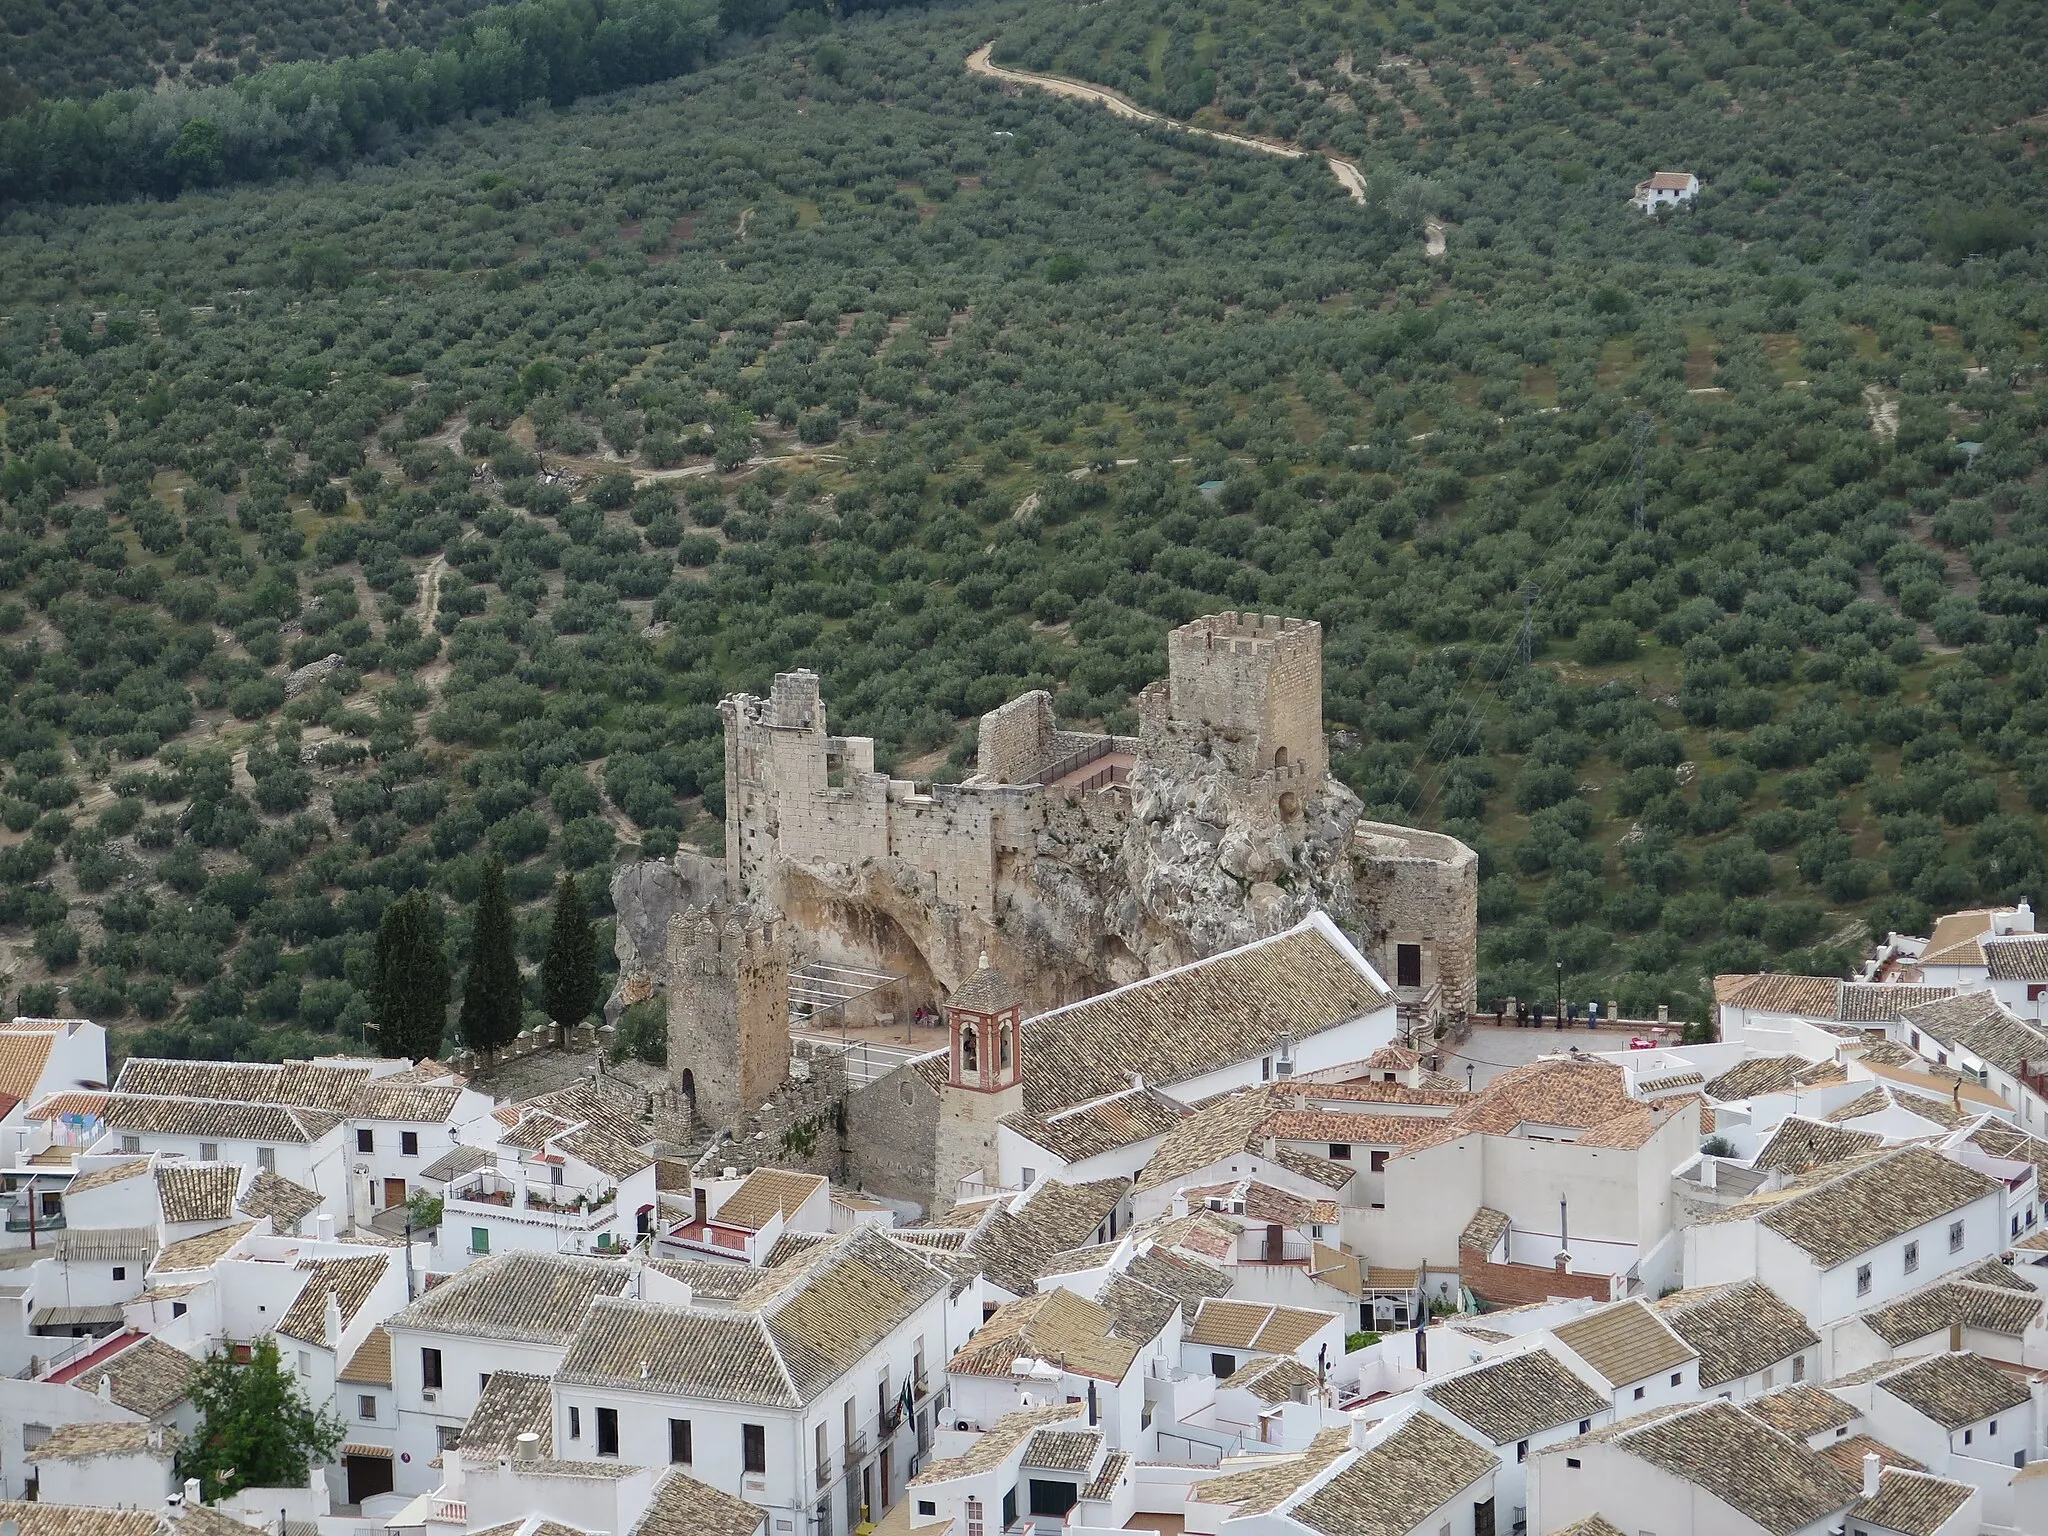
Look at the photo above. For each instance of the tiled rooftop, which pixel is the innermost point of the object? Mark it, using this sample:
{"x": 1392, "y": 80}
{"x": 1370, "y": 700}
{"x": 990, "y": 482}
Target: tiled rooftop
{"x": 1845, "y": 1209}
{"x": 1392, "y": 1488}
{"x": 1738, "y": 1329}
{"x": 1956, "y": 1389}
{"x": 1625, "y": 1343}
{"x": 1517, "y": 1396}
{"x": 1911, "y": 1503}
{"x": 529, "y": 1297}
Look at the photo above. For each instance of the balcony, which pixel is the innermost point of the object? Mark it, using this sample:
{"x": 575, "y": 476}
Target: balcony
{"x": 18, "y": 1220}
{"x": 490, "y": 1193}
{"x": 856, "y": 1451}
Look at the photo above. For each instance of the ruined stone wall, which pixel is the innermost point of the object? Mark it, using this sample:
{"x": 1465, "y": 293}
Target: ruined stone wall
{"x": 1417, "y": 887}
{"x": 1255, "y": 677}
{"x": 728, "y": 1002}
{"x": 1016, "y": 740}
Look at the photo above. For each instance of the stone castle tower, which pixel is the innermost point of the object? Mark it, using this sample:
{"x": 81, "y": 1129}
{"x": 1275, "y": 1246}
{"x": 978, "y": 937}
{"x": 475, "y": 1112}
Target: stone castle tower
{"x": 728, "y": 1009}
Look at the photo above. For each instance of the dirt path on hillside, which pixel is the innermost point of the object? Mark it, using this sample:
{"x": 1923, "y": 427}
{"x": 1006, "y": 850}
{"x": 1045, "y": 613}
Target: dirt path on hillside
{"x": 1348, "y": 175}
{"x": 430, "y": 592}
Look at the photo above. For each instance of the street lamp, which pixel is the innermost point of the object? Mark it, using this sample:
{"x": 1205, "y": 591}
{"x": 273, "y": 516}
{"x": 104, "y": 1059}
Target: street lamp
{"x": 1560, "y": 993}
{"x": 1468, "y": 1077}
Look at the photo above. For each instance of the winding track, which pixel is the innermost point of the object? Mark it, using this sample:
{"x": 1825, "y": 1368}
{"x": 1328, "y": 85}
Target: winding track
{"x": 1348, "y": 175}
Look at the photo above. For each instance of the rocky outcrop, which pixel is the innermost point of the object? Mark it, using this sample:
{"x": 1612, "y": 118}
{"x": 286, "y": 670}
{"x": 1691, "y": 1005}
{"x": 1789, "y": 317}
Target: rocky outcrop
{"x": 645, "y": 896}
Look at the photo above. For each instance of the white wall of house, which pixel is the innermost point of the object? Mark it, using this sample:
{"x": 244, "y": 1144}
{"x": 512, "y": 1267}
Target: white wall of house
{"x": 1633, "y": 1495}
{"x": 1353, "y": 1040}
{"x": 423, "y": 1422}
{"x": 138, "y": 1481}
{"x": 320, "y": 1165}
{"x": 29, "y": 1410}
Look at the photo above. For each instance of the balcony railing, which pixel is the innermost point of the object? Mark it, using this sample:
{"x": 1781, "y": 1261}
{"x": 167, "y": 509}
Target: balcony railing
{"x": 18, "y": 1221}
{"x": 449, "y": 1511}
{"x": 550, "y": 1205}
{"x": 856, "y": 1451}
{"x": 824, "y": 1473}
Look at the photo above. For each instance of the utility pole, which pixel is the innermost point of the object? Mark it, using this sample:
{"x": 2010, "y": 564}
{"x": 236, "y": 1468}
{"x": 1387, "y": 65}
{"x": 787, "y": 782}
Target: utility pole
{"x": 1528, "y": 640}
{"x": 1640, "y": 429}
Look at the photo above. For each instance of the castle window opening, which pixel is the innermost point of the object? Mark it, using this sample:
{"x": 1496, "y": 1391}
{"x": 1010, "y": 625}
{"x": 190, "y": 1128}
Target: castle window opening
{"x": 1279, "y": 757}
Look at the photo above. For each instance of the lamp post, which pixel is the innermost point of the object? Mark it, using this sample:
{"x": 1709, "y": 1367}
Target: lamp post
{"x": 1559, "y": 1015}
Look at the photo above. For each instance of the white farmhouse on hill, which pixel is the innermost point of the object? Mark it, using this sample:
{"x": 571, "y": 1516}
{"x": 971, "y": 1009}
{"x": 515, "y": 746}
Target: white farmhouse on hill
{"x": 1666, "y": 189}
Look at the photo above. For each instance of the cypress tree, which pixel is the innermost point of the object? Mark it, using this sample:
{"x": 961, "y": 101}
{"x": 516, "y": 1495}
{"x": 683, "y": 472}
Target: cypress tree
{"x": 409, "y": 991}
{"x": 568, "y": 972}
{"x": 493, "y": 1000}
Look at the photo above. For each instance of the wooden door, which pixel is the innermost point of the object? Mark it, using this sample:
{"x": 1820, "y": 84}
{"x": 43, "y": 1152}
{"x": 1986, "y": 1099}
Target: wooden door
{"x": 394, "y": 1192}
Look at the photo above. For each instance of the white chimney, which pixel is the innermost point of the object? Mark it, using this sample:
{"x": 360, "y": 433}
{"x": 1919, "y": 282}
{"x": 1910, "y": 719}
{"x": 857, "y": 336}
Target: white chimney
{"x": 1873, "y": 1465}
{"x": 526, "y": 1447}
{"x": 2023, "y": 917}
{"x": 192, "y": 1492}
{"x": 106, "y": 1388}
{"x": 330, "y": 1319}
{"x": 323, "y": 1226}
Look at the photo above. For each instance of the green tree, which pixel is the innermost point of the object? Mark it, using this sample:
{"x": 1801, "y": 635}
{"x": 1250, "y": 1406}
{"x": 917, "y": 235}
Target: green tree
{"x": 492, "y": 998}
{"x": 568, "y": 972}
{"x": 409, "y": 992}
{"x": 256, "y": 1428}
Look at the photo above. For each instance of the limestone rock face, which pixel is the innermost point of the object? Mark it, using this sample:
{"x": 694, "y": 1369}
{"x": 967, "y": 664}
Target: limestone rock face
{"x": 646, "y": 895}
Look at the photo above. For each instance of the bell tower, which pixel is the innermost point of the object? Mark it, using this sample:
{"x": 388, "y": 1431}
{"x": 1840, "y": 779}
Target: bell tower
{"x": 985, "y": 1029}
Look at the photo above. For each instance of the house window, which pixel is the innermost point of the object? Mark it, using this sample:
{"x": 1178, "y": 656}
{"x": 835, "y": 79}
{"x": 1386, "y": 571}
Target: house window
{"x": 1585, "y": 1425}
{"x": 927, "y": 1507}
{"x": 178, "y": 1309}
{"x": 1862, "y": 1279}
{"x": 1030, "y": 1176}
{"x": 1379, "y": 1162}
{"x": 1340, "y": 1151}
{"x": 575, "y": 1422}
{"x": 1571, "y": 1461}
{"x": 366, "y": 1139}
{"x": 1221, "y": 1366}
{"x": 1407, "y": 965}
{"x": 1955, "y": 1237}
{"x": 430, "y": 1368}
{"x": 479, "y": 1239}
{"x": 679, "y": 1441}
{"x": 305, "y": 1363}
{"x": 1521, "y": 1450}
{"x": 366, "y": 1408}
{"x": 821, "y": 1449}
{"x": 1639, "y": 1394}
{"x": 1969, "y": 1435}
{"x": 120, "y": 1271}
{"x": 607, "y": 1431}
{"x": 409, "y": 1143}
{"x": 1993, "y": 1429}
{"x": 266, "y": 1159}
{"x": 1799, "y": 1367}
{"x": 1266, "y": 1069}
{"x": 131, "y": 1143}
{"x": 483, "y": 1379}
{"x": 209, "y": 1151}
{"x": 975, "y": 1526}
{"x": 753, "y": 1448}
{"x": 1912, "y": 1257}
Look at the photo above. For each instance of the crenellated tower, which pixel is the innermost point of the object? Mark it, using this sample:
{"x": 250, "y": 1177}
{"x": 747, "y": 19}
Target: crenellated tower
{"x": 728, "y": 1008}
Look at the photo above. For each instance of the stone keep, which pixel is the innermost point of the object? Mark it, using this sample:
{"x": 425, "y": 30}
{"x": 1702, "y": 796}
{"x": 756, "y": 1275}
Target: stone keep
{"x": 728, "y": 1009}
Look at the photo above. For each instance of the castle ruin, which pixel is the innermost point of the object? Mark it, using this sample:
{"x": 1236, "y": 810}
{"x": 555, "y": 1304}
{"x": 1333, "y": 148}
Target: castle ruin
{"x": 1070, "y": 861}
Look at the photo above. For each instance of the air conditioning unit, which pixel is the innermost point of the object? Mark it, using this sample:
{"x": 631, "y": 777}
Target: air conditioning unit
{"x": 429, "y": 1395}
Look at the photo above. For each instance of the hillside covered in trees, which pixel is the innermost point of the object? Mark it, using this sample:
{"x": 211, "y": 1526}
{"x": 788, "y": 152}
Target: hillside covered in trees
{"x": 813, "y": 348}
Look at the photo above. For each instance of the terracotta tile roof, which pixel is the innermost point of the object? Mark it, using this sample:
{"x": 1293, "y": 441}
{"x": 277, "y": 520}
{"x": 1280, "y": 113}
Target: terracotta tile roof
{"x": 1977, "y": 1023}
{"x": 1274, "y": 1379}
{"x": 1810, "y": 997}
{"x": 1799, "y": 1144}
{"x": 1802, "y": 1411}
{"x": 1108, "y": 1125}
{"x": 767, "y": 1192}
{"x": 1880, "y": 1002}
{"x": 1486, "y": 1228}
{"x": 1057, "y": 1325}
{"x": 603, "y": 1151}
{"x": 1668, "y": 1082}
{"x": 993, "y": 1448}
{"x": 511, "y": 1404}
{"x": 1263, "y": 1204}
{"x": 1113, "y": 1468}
{"x": 37, "y": 1519}
{"x": 1955, "y": 937}
{"x": 84, "y": 1442}
{"x": 1062, "y": 1450}
{"x": 529, "y": 1297}
{"x": 682, "y": 1506}
{"x": 23, "y": 1055}
{"x": 1738, "y": 1329}
{"x": 1874, "y": 1102}
{"x": 1137, "y": 1312}
{"x": 987, "y": 991}
{"x": 1955, "y": 1302}
{"x": 1372, "y": 1091}
{"x": 1363, "y": 1130}
{"x": 149, "y": 1377}
{"x": 2019, "y": 957}
{"x": 1624, "y": 1343}
{"x": 1255, "y": 1325}
{"x": 1579, "y": 1094}
{"x": 350, "y": 1282}
{"x": 782, "y": 1349}
{"x": 197, "y": 1191}
{"x": 1848, "y": 1454}
{"x": 1846, "y": 1209}
{"x": 457, "y": 1161}
{"x": 393, "y": 1098}
{"x": 1758, "y": 1075}
{"x": 1911, "y": 1503}
{"x": 370, "y": 1365}
{"x": 1512, "y": 1398}
{"x": 607, "y": 1103}
{"x": 216, "y": 1119}
{"x": 284, "y": 1202}
{"x": 108, "y": 1173}
{"x": 1188, "y": 1281}
{"x": 1762, "y": 1474}
{"x": 1013, "y": 1246}
{"x": 1181, "y": 1023}
{"x": 1223, "y": 1127}
{"x": 1399, "y": 1483}
{"x": 1256, "y": 1489}
{"x": 1670, "y": 181}
{"x": 1201, "y": 1233}
{"x": 1955, "y": 1390}
{"x": 1592, "y": 1525}
{"x": 312, "y": 1085}
{"x": 1938, "y": 1093}
{"x": 203, "y": 1251}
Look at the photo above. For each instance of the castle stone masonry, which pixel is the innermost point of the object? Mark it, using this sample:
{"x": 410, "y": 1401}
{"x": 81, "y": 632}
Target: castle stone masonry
{"x": 1069, "y": 861}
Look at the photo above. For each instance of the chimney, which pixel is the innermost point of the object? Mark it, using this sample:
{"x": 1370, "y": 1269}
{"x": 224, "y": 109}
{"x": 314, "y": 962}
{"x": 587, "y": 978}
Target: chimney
{"x": 155, "y": 1437}
{"x": 1422, "y": 1344}
{"x": 330, "y": 1321}
{"x": 323, "y": 1226}
{"x": 1873, "y": 1465}
{"x": 526, "y": 1447}
{"x": 106, "y": 1387}
{"x": 192, "y": 1499}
